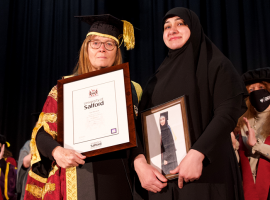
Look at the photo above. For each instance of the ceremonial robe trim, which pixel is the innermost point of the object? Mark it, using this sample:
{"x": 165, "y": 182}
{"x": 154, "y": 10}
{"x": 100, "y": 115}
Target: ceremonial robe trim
{"x": 46, "y": 119}
{"x": 55, "y": 168}
{"x": 40, "y": 192}
{"x": 48, "y": 188}
{"x": 138, "y": 89}
{"x": 43, "y": 120}
{"x": 6, "y": 181}
{"x": 53, "y": 93}
{"x": 37, "y": 177}
{"x": 34, "y": 190}
{"x": 71, "y": 183}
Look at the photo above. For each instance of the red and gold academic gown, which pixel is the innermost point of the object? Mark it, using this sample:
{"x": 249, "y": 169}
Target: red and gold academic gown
{"x": 38, "y": 187}
{"x": 260, "y": 189}
{"x": 8, "y": 175}
{"x": 61, "y": 183}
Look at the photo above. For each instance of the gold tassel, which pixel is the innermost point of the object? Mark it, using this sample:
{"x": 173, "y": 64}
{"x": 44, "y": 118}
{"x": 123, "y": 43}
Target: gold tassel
{"x": 8, "y": 145}
{"x": 128, "y": 35}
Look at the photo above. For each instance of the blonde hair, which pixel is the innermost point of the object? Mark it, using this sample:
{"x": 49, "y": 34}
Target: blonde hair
{"x": 84, "y": 65}
{"x": 251, "y": 113}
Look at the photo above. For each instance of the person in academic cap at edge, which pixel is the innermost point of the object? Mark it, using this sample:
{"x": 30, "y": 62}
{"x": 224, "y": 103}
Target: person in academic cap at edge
{"x": 59, "y": 173}
{"x": 215, "y": 93}
{"x": 253, "y": 130}
{"x": 8, "y": 172}
{"x": 8, "y": 156}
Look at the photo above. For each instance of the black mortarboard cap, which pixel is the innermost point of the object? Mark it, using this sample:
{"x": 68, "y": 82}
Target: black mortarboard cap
{"x": 109, "y": 26}
{"x": 3, "y": 140}
{"x": 165, "y": 114}
{"x": 256, "y": 75}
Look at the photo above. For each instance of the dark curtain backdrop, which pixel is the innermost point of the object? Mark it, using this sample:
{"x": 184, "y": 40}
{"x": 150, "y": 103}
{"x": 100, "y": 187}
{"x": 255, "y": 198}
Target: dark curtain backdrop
{"x": 40, "y": 41}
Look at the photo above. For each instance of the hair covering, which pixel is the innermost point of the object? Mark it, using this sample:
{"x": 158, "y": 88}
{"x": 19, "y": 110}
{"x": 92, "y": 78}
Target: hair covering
{"x": 256, "y": 75}
{"x": 109, "y": 26}
{"x": 165, "y": 115}
{"x": 201, "y": 72}
{"x": 215, "y": 98}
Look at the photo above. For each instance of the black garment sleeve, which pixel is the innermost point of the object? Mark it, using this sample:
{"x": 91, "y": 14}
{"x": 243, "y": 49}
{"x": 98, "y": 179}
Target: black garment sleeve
{"x": 220, "y": 127}
{"x": 134, "y": 152}
{"x": 139, "y": 149}
{"x": 3, "y": 165}
{"x": 45, "y": 143}
{"x": 20, "y": 178}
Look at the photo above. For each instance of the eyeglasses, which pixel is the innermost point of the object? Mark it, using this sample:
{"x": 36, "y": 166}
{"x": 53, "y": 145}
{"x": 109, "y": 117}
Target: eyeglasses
{"x": 95, "y": 44}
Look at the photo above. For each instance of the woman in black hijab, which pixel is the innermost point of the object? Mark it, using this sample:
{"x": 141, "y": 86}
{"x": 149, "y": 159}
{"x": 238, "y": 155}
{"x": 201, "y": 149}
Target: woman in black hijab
{"x": 168, "y": 154}
{"x": 195, "y": 67}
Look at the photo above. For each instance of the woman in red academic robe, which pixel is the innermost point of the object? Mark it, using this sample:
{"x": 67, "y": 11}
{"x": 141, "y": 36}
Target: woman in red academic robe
{"x": 254, "y": 126}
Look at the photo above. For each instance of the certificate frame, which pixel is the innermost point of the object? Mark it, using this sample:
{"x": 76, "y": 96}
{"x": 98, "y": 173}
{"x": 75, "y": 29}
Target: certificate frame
{"x": 128, "y": 105}
{"x": 153, "y": 141}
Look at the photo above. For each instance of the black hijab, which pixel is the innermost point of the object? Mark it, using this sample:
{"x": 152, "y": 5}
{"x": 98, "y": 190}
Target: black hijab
{"x": 165, "y": 126}
{"x": 198, "y": 70}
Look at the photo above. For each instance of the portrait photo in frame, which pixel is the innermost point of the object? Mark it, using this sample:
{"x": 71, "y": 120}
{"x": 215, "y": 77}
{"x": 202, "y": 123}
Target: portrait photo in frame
{"x": 166, "y": 135}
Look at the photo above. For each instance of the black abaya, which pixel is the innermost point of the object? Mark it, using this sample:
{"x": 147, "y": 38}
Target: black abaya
{"x": 215, "y": 101}
{"x": 168, "y": 150}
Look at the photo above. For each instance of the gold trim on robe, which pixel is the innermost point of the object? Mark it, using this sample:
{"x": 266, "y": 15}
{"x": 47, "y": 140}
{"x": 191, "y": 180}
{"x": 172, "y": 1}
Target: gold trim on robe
{"x": 53, "y": 93}
{"x": 40, "y": 192}
{"x": 34, "y": 190}
{"x": 37, "y": 177}
{"x": 71, "y": 174}
{"x": 71, "y": 183}
{"x": 6, "y": 181}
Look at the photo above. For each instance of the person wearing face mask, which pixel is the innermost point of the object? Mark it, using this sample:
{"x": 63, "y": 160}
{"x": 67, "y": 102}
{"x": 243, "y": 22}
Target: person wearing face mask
{"x": 254, "y": 126}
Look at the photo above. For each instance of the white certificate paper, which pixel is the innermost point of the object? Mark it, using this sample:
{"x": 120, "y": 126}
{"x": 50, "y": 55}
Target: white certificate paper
{"x": 94, "y": 115}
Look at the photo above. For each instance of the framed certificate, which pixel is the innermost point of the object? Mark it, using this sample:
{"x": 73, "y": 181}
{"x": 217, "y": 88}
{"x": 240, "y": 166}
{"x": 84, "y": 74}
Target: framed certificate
{"x": 166, "y": 135}
{"x": 95, "y": 111}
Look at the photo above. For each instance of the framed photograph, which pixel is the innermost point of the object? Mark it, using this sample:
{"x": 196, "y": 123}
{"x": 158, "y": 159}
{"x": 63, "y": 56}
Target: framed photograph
{"x": 95, "y": 111}
{"x": 166, "y": 135}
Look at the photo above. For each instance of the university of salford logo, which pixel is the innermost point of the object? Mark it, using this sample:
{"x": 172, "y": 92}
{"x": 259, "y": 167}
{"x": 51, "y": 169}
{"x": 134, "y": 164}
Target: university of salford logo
{"x": 96, "y": 144}
{"x": 93, "y": 93}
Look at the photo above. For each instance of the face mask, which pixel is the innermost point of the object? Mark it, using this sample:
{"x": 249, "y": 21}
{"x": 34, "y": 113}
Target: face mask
{"x": 260, "y": 99}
